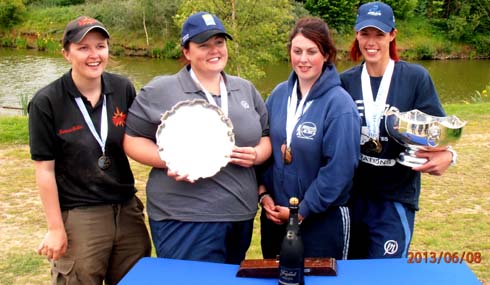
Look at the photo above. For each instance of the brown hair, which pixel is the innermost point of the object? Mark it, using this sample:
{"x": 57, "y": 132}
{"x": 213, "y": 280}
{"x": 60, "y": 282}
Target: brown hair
{"x": 316, "y": 30}
{"x": 355, "y": 53}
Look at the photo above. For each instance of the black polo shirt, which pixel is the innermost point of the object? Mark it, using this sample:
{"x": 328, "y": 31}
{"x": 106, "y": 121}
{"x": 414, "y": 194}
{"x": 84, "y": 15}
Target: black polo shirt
{"x": 58, "y": 131}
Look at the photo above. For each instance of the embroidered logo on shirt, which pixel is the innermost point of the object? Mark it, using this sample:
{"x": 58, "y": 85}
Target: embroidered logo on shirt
{"x": 306, "y": 130}
{"x": 390, "y": 247}
{"x": 119, "y": 118}
{"x": 70, "y": 130}
{"x": 245, "y": 104}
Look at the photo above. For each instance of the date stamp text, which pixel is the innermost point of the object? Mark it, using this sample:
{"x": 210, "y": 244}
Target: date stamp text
{"x": 444, "y": 256}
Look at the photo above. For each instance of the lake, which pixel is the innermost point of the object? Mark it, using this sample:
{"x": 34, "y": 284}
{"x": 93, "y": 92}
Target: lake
{"x": 23, "y": 72}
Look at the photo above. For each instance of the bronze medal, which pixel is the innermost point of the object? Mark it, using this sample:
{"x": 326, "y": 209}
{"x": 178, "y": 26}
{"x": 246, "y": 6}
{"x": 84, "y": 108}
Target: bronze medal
{"x": 287, "y": 156}
{"x": 372, "y": 146}
{"x": 104, "y": 162}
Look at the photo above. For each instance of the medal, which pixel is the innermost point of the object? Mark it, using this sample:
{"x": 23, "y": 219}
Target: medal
{"x": 374, "y": 106}
{"x": 372, "y": 146}
{"x": 287, "y": 156}
{"x": 104, "y": 162}
{"x": 294, "y": 112}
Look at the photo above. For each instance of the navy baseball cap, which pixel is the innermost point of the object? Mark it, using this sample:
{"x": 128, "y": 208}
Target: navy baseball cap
{"x": 200, "y": 27}
{"x": 77, "y": 29}
{"x": 377, "y": 15}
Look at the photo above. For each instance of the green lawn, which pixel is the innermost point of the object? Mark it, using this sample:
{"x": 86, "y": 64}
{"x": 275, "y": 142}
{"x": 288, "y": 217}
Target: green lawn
{"x": 454, "y": 215}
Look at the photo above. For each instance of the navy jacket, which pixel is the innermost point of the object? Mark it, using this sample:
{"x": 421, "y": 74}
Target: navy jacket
{"x": 380, "y": 176}
{"x": 324, "y": 144}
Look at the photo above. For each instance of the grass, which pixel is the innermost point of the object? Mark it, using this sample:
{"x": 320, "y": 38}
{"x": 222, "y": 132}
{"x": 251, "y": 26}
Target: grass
{"x": 454, "y": 215}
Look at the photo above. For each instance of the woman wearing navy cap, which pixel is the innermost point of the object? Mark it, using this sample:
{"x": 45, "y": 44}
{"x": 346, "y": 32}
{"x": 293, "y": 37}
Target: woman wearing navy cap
{"x": 385, "y": 195}
{"x": 96, "y": 229}
{"x": 209, "y": 219}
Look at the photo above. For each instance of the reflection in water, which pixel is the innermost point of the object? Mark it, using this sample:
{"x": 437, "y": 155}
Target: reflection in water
{"x": 24, "y": 72}
{"x": 22, "y": 75}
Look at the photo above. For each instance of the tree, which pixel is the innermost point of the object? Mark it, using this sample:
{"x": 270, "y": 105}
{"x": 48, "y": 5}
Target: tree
{"x": 340, "y": 15}
{"x": 11, "y": 12}
{"x": 402, "y": 9}
{"x": 259, "y": 28}
{"x": 153, "y": 18}
{"x": 464, "y": 20}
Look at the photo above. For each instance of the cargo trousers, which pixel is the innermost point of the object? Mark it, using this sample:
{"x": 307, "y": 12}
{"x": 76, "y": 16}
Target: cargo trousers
{"x": 104, "y": 242}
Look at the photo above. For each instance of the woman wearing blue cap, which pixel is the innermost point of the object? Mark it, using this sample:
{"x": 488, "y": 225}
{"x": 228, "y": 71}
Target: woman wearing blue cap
{"x": 208, "y": 219}
{"x": 385, "y": 194}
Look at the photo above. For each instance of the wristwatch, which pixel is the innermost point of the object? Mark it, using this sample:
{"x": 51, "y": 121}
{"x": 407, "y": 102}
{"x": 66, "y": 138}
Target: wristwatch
{"x": 455, "y": 155}
{"x": 262, "y": 196}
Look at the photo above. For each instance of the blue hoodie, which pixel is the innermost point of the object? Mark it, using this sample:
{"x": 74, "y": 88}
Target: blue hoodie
{"x": 324, "y": 145}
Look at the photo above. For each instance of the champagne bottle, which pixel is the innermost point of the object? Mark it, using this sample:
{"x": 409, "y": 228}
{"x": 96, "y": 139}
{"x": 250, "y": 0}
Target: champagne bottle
{"x": 291, "y": 258}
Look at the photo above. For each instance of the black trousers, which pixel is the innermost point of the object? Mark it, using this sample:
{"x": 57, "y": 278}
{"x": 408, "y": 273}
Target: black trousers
{"x": 324, "y": 235}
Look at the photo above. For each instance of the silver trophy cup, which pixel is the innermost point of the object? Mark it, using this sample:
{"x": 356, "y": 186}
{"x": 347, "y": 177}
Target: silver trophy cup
{"x": 419, "y": 131}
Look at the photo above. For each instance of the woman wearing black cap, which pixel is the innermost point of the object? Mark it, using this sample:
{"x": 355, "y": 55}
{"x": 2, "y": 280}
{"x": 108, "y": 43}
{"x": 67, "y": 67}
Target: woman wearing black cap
{"x": 96, "y": 230}
{"x": 385, "y": 194}
{"x": 211, "y": 218}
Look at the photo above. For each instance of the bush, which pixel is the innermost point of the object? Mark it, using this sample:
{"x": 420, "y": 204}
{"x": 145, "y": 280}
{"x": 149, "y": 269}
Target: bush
{"x": 172, "y": 50}
{"x": 425, "y": 52}
{"x": 52, "y": 3}
{"x": 482, "y": 44}
{"x": 117, "y": 50}
{"x": 339, "y": 14}
{"x": 7, "y": 42}
{"x": 402, "y": 9}
{"x": 420, "y": 52}
{"x": 11, "y": 12}
{"x": 48, "y": 44}
{"x": 20, "y": 43}
{"x": 482, "y": 96}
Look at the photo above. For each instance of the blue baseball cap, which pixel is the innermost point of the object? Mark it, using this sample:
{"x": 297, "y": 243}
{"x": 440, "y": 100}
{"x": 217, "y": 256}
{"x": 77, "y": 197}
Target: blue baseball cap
{"x": 377, "y": 15}
{"x": 200, "y": 27}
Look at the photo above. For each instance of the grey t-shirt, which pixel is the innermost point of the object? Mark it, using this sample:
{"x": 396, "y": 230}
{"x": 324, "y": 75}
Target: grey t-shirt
{"x": 231, "y": 194}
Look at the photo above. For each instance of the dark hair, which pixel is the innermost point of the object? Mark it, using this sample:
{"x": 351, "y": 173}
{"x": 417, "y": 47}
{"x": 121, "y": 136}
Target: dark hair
{"x": 182, "y": 59}
{"x": 355, "y": 53}
{"x": 316, "y": 30}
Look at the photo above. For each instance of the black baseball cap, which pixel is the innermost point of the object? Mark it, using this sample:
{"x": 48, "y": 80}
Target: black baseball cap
{"x": 76, "y": 30}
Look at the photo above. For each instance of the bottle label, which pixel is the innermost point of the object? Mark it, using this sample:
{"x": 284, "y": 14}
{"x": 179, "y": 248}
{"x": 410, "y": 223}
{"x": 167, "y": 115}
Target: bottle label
{"x": 291, "y": 276}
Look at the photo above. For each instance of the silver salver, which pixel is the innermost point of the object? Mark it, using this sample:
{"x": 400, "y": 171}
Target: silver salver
{"x": 419, "y": 131}
{"x": 195, "y": 138}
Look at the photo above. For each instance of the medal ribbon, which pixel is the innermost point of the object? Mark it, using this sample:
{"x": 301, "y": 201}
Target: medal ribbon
{"x": 294, "y": 113}
{"x": 374, "y": 110}
{"x": 103, "y": 122}
{"x": 209, "y": 97}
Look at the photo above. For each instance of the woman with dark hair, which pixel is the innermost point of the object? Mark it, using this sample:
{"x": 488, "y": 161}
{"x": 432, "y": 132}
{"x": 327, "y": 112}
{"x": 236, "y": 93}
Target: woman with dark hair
{"x": 314, "y": 130}
{"x": 385, "y": 193}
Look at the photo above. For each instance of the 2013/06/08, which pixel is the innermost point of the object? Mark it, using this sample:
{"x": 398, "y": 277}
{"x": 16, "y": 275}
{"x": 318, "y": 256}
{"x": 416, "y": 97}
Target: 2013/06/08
{"x": 443, "y": 256}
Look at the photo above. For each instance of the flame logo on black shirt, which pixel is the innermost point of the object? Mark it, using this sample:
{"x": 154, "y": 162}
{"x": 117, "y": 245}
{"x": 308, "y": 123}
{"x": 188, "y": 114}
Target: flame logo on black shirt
{"x": 119, "y": 118}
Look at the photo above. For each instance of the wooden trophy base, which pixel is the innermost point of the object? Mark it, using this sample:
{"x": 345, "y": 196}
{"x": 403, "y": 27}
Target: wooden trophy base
{"x": 269, "y": 268}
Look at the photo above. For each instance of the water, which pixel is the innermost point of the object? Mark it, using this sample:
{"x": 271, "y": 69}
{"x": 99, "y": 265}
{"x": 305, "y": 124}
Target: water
{"x": 24, "y": 72}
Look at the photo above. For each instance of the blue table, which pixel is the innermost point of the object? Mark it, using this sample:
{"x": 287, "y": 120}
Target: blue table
{"x": 159, "y": 271}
